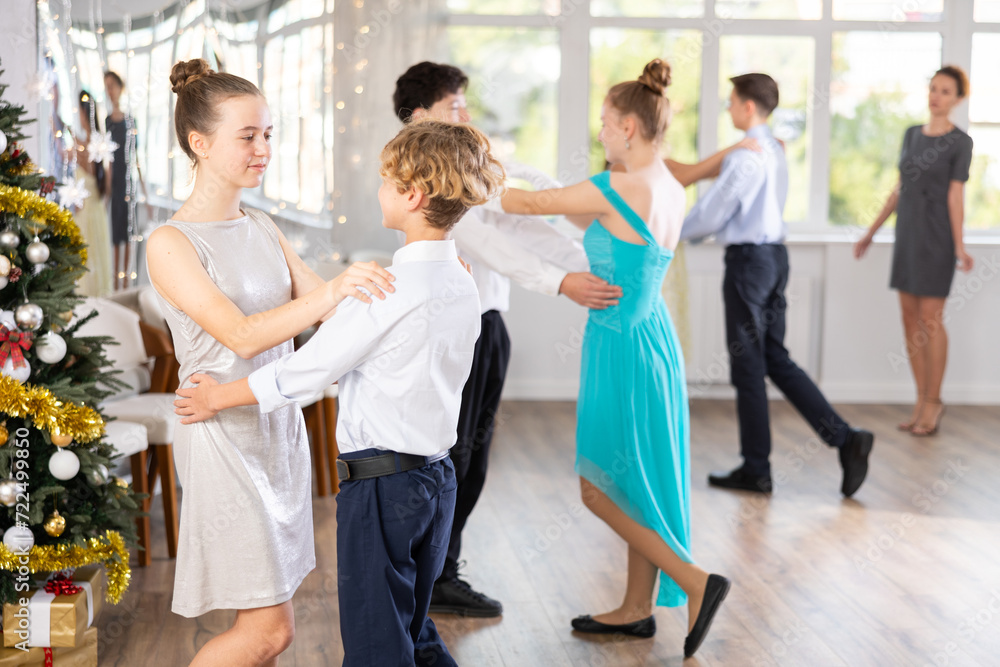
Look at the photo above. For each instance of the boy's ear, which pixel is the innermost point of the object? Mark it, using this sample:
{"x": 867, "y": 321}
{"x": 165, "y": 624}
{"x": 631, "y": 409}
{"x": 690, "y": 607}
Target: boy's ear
{"x": 418, "y": 113}
{"x": 414, "y": 198}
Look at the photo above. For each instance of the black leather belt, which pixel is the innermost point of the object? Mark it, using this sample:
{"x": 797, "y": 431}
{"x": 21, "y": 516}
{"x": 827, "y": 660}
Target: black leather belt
{"x": 389, "y": 463}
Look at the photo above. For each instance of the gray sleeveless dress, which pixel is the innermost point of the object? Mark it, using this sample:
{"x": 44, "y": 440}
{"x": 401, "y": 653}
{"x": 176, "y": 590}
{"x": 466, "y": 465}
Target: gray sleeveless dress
{"x": 246, "y": 532}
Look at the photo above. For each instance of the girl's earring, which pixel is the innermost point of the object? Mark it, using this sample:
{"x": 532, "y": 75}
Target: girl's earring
{"x": 627, "y": 144}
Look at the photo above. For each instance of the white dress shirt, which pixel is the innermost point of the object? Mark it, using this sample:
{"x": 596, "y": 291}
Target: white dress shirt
{"x": 401, "y": 362}
{"x": 501, "y": 246}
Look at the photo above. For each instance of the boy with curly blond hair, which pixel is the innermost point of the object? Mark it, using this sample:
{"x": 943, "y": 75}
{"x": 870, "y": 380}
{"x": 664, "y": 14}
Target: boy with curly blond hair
{"x": 401, "y": 364}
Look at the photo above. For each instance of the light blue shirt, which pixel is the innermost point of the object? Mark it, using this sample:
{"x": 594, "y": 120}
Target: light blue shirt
{"x": 747, "y": 200}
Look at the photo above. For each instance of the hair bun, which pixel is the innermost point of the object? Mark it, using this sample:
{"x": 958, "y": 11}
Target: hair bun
{"x": 656, "y": 76}
{"x": 186, "y": 71}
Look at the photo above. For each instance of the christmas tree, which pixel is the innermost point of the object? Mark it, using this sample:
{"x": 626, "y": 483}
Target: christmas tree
{"x": 58, "y": 506}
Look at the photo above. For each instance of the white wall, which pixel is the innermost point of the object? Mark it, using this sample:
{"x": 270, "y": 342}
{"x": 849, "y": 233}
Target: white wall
{"x": 19, "y": 60}
{"x": 843, "y": 328}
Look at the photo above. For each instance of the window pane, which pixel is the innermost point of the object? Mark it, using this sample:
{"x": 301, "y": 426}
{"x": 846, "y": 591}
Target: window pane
{"x": 656, "y": 8}
{"x": 311, "y": 156}
{"x": 289, "y": 119}
{"x": 619, "y": 54}
{"x": 983, "y": 191}
{"x": 512, "y": 96}
{"x": 789, "y": 60}
{"x": 550, "y": 7}
{"x": 272, "y": 92}
{"x": 157, "y": 137}
{"x": 987, "y": 11}
{"x": 773, "y": 9}
{"x": 870, "y": 109}
{"x": 888, "y": 10}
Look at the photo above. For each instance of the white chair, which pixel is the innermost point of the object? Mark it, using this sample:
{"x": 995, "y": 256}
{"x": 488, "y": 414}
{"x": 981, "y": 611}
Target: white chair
{"x": 131, "y": 440}
{"x": 153, "y": 410}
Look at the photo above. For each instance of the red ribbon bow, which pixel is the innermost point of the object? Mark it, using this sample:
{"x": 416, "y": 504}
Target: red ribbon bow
{"x": 61, "y": 585}
{"x": 14, "y": 344}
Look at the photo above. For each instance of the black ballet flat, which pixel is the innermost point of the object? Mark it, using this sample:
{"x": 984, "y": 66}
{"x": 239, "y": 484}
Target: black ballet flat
{"x": 644, "y": 628}
{"x": 715, "y": 592}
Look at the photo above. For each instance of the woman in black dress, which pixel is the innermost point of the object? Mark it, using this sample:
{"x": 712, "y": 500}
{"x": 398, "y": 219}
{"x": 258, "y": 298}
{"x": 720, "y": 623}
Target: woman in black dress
{"x": 122, "y": 188}
{"x": 929, "y": 203}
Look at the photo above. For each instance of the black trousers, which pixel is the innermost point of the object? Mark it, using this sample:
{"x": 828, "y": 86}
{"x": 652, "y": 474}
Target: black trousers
{"x": 391, "y": 536}
{"x": 754, "y": 294}
{"x": 480, "y": 400}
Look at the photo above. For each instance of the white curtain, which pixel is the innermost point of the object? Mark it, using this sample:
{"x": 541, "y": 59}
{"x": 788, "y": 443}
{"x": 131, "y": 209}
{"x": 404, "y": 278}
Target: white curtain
{"x": 382, "y": 38}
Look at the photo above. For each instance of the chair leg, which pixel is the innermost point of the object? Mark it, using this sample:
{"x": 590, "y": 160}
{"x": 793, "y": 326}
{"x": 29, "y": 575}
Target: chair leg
{"x": 168, "y": 486}
{"x": 332, "y": 451}
{"x": 140, "y": 484}
{"x": 314, "y": 428}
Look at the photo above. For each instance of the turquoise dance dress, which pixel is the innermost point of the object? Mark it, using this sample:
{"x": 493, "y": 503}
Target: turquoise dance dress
{"x": 632, "y": 414}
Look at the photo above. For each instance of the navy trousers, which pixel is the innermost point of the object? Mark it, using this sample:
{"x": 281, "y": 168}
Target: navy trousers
{"x": 754, "y": 294}
{"x": 480, "y": 400}
{"x": 392, "y": 535}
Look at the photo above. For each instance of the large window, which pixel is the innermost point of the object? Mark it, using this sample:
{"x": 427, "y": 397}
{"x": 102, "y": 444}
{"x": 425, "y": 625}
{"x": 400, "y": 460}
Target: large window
{"x": 853, "y": 75}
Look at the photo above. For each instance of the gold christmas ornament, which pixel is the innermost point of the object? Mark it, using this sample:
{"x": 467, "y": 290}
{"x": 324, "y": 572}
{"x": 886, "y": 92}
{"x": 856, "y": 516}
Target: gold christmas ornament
{"x": 61, "y": 439}
{"x": 4, "y": 434}
{"x": 121, "y": 483}
{"x": 108, "y": 549}
{"x": 54, "y": 524}
{"x": 4, "y": 266}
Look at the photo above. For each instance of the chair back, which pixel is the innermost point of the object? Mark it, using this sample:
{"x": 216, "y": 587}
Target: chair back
{"x": 122, "y": 324}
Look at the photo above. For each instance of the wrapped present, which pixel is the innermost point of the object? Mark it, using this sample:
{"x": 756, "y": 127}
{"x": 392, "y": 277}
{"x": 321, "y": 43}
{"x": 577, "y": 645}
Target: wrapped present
{"x": 84, "y": 655}
{"x": 58, "y": 612}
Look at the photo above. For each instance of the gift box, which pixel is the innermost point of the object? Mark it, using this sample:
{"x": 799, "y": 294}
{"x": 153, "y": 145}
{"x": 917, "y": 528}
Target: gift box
{"x": 84, "y": 655}
{"x": 53, "y": 618}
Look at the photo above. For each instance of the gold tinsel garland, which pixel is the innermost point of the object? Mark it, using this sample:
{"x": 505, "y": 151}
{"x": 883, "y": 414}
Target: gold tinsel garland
{"x": 48, "y": 412}
{"x": 59, "y": 220}
{"x": 109, "y": 550}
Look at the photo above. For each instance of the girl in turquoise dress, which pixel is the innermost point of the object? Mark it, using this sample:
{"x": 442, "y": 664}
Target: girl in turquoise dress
{"x": 632, "y": 414}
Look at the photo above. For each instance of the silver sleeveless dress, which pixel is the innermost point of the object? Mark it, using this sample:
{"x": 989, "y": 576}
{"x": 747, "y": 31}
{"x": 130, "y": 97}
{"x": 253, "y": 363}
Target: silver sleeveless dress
{"x": 246, "y": 531}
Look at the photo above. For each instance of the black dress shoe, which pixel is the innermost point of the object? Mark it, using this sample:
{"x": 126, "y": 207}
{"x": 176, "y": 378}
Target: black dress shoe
{"x": 645, "y": 627}
{"x": 715, "y": 592}
{"x": 854, "y": 460}
{"x": 739, "y": 479}
{"x": 456, "y": 596}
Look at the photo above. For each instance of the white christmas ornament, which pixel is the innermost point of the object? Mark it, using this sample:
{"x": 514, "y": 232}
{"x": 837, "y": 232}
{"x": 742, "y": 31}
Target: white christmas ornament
{"x": 101, "y": 147}
{"x": 9, "y": 239}
{"x": 3, "y": 142}
{"x": 3, "y": 281}
{"x": 7, "y": 318}
{"x": 51, "y": 348}
{"x": 4, "y": 266}
{"x": 19, "y": 539}
{"x": 72, "y": 194}
{"x": 64, "y": 465}
{"x": 37, "y": 252}
{"x": 8, "y": 492}
{"x": 21, "y": 374}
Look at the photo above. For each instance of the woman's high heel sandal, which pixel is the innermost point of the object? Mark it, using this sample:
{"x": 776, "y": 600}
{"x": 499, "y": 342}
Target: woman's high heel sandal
{"x": 908, "y": 425}
{"x": 924, "y": 430}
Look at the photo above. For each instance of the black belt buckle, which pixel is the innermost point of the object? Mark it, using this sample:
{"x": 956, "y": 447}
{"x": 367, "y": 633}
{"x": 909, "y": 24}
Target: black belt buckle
{"x": 343, "y": 470}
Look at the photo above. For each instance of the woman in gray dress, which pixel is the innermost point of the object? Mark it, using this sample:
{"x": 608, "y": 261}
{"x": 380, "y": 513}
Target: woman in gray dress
{"x": 929, "y": 201}
{"x": 226, "y": 278}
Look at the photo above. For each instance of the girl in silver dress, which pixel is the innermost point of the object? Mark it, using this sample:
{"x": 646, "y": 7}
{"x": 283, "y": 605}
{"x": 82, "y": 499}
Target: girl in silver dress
{"x": 234, "y": 294}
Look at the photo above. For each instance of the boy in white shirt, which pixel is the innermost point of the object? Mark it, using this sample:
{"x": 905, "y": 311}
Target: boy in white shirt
{"x": 402, "y": 364}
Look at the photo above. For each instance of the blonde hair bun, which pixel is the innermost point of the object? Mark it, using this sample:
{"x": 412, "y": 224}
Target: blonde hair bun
{"x": 185, "y": 72}
{"x": 656, "y": 76}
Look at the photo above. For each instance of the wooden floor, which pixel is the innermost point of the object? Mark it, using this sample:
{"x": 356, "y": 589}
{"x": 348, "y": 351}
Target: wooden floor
{"x": 907, "y": 573}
